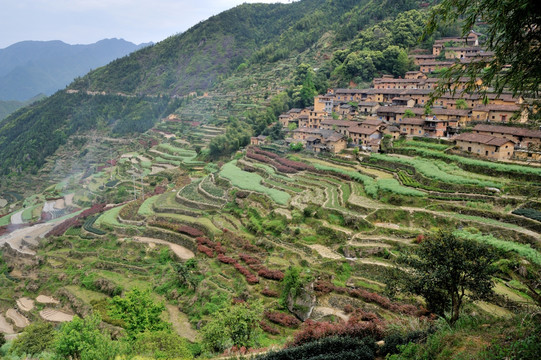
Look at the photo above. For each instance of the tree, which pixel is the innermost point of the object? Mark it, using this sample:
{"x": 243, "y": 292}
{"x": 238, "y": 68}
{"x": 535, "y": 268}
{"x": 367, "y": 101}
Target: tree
{"x": 513, "y": 33}
{"x": 36, "y": 338}
{"x": 82, "y": 339}
{"x": 139, "y": 312}
{"x": 408, "y": 114}
{"x": 443, "y": 268}
{"x": 186, "y": 272}
{"x": 461, "y": 104}
{"x": 290, "y": 285}
{"x": 237, "y": 325}
{"x": 161, "y": 345}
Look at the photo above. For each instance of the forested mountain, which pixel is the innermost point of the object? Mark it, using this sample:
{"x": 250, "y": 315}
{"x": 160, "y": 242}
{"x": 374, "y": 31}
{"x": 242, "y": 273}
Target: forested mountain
{"x": 245, "y": 40}
{"x": 29, "y": 68}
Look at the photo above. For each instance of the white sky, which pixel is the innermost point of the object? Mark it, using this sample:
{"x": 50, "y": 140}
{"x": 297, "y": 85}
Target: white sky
{"x": 87, "y": 21}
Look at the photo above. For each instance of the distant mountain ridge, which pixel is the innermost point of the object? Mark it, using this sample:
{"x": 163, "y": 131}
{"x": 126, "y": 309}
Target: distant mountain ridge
{"x": 29, "y": 68}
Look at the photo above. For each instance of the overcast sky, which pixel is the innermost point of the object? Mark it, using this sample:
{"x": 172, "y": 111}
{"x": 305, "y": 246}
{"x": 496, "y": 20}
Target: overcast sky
{"x": 87, "y": 21}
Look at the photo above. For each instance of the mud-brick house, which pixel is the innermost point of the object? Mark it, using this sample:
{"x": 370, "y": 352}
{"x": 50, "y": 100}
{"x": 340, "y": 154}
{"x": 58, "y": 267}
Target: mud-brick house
{"x": 413, "y": 126}
{"x": 490, "y": 147}
{"x": 367, "y": 107}
{"x": 258, "y": 140}
{"x": 348, "y": 95}
{"x": 429, "y": 67}
{"x": 523, "y": 138}
{"x": 420, "y": 59}
{"x": 415, "y": 75}
{"x": 340, "y": 126}
{"x": 319, "y": 140}
{"x": 438, "y": 128}
{"x": 498, "y": 113}
{"x": 324, "y": 103}
{"x": 362, "y": 135}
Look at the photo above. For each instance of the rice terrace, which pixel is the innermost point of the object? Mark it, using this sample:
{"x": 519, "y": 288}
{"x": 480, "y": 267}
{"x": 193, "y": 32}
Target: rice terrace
{"x": 288, "y": 207}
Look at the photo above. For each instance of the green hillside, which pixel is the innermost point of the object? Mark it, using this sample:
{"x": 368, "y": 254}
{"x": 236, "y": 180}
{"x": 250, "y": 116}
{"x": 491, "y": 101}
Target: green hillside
{"x": 225, "y": 50}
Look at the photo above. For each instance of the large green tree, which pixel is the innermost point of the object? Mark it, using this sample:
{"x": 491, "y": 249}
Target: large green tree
{"x": 237, "y": 325}
{"x": 513, "y": 33}
{"x": 444, "y": 268}
{"x": 139, "y": 312}
{"x": 82, "y": 339}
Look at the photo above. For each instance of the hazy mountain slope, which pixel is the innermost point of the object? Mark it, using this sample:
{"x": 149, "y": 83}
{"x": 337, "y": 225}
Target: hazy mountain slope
{"x": 195, "y": 59}
{"x": 31, "y": 67}
{"x": 10, "y": 106}
{"x": 255, "y": 35}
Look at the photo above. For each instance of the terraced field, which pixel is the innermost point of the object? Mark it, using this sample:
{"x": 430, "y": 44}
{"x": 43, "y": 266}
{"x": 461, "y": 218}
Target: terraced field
{"x": 249, "y": 222}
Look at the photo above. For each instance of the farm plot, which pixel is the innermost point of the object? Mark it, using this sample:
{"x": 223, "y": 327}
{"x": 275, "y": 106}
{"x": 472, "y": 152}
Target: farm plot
{"x": 434, "y": 169}
{"x": 250, "y": 181}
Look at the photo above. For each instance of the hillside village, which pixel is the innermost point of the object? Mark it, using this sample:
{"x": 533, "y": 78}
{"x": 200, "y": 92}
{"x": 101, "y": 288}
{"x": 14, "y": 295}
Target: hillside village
{"x": 395, "y": 107}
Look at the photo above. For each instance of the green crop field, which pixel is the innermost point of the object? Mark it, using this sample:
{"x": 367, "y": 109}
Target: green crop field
{"x": 251, "y": 181}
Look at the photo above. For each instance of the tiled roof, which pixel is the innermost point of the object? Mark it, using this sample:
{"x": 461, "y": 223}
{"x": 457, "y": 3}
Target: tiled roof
{"x": 362, "y": 130}
{"x": 508, "y": 130}
{"x": 482, "y": 139}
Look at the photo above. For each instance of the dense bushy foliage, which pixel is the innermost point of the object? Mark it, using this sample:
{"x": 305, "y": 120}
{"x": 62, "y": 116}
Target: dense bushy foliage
{"x": 283, "y": 319}
{"x": 334, "y": 347}
{"x": 360, "y": 325}
{"x": 325, "y": 287}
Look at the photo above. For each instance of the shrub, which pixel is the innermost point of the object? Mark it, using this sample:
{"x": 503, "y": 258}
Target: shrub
{"x": 226, "y": 259}
{"x": 360, "y": 325}
{"x": 271, "y": 274}
{"x": 266, "y": 327}
{"x": 206, "y": 250}
{"x": 269, "y": 293}
{"x": 283, "y": 319}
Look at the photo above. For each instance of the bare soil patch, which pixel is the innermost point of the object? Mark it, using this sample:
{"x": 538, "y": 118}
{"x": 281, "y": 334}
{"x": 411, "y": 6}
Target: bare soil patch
{"x": 326, "y": 252}
{"x": 44, "y": 299}
{"x": 25, "y": 304}
{"x": 179, "y": 251}
{"x": 55, "y": 315}
{"x": 5, "y": 327}
{"x": 19, "y": 320}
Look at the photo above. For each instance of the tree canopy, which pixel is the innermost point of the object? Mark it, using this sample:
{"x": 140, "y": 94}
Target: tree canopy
{"x": 443, "y": 268}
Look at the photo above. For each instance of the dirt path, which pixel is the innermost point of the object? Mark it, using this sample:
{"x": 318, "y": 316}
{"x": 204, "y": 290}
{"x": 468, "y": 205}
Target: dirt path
{"x": 373, "y": 262}
{"x": 55, "y": 315}
{"x": 5, "y": 327}
{"x": 180, "y": 323}
{"x": 180, "y": 251}
{"x": 19, "y": 320}
{"x": 28, "y": 235}
{"x": 25, "y": 304}
{"x": 44, "y": 299}
{"x": 387, "y": 225}
{"x": 321, "y": 311}
{"x": 325, "y": 252}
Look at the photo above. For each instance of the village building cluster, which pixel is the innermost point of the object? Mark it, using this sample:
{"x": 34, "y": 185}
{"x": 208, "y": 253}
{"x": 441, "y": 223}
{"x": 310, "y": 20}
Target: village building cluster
{"x": 394, "y": 107}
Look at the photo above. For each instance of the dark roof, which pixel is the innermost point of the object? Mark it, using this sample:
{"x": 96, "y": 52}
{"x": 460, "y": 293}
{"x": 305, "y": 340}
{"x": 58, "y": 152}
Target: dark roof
{"x": 368, "y": 103}
{"x": 372, "y": 122}
{"x": 348, "y": 91}
{"x": 482, "y": 139}
{"x": 508, "y": 130}
{"x": 295, "y": 110}
{"x": 362, "y": 130}
{"x": 412, "y": 121}
{"x": 332, "y": 122}
{"x": 490, "y": 107}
